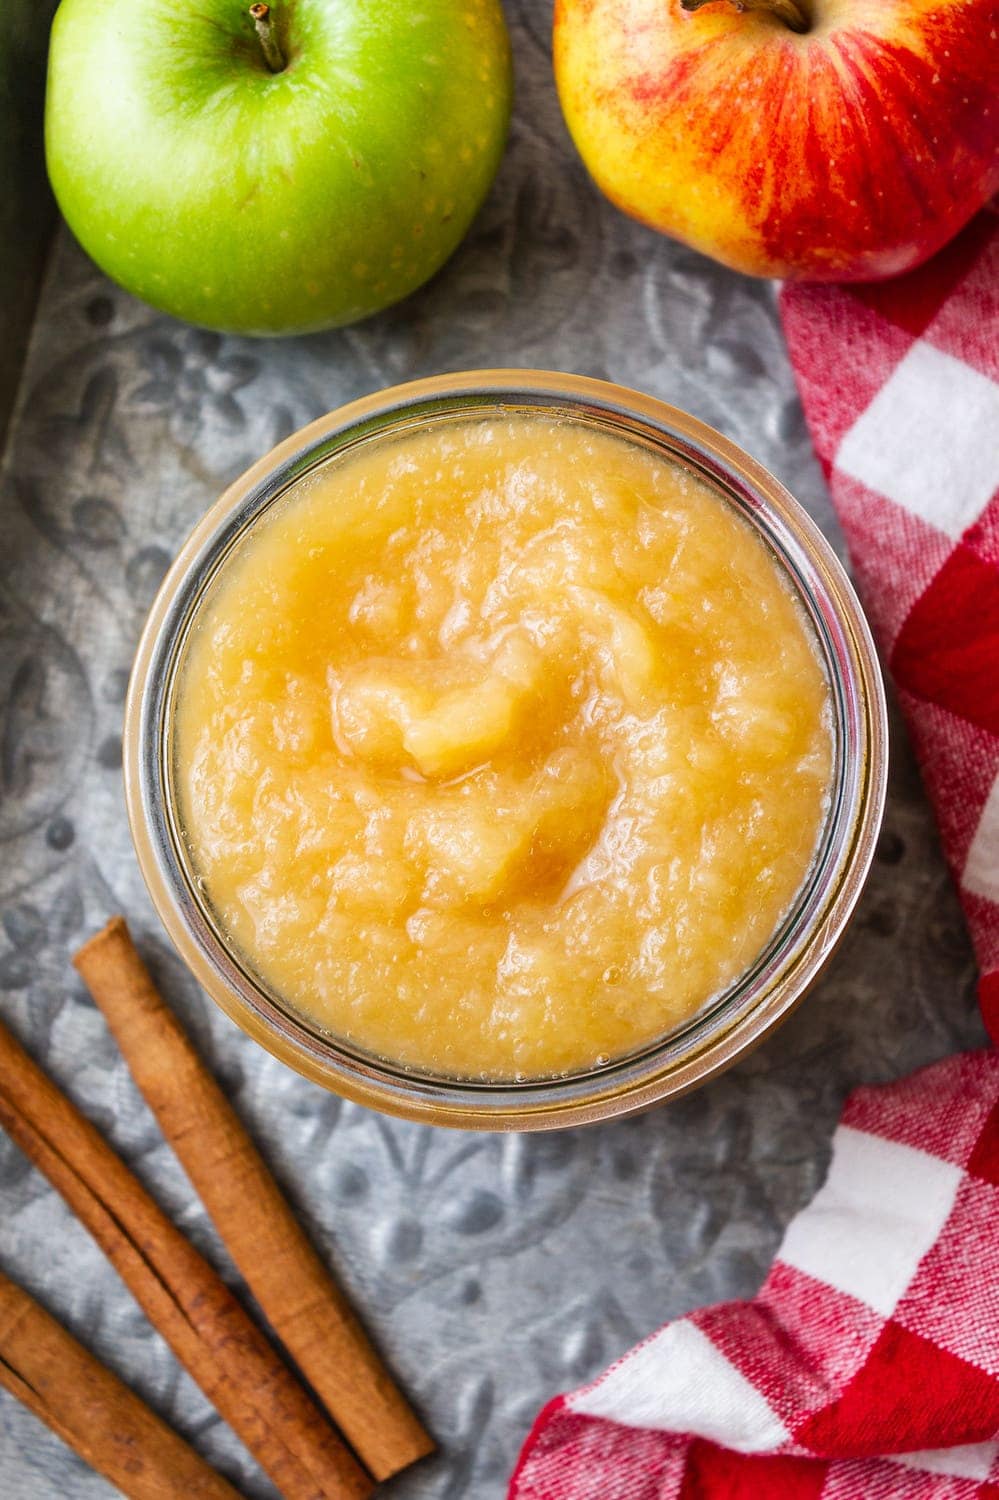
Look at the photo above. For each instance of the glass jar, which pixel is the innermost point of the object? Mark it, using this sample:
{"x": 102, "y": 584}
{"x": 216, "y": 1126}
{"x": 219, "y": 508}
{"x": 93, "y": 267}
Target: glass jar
{"x": 724, "y": 1029}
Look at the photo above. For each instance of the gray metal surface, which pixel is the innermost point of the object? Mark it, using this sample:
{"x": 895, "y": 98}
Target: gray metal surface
{"x": 493, "y": 1271}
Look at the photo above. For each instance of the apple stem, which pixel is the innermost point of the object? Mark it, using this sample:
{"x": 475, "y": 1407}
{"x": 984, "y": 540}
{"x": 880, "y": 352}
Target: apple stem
{"x": 791, "y": 12}
{"x": 269, "y": 46}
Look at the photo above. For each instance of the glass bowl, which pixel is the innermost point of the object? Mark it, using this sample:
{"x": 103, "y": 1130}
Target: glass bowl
{"x": 724, "y": 1029}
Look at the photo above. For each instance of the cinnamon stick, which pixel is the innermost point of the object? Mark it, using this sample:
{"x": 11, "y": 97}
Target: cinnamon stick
{"x": 304, "y": 1307}
{"x": 179, "y": 1292}
{"x": 91, "y": 1410}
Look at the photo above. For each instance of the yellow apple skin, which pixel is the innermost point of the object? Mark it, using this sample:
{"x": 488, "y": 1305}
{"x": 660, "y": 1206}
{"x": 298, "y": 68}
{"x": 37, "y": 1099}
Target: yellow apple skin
{"x": 850, "y": 152}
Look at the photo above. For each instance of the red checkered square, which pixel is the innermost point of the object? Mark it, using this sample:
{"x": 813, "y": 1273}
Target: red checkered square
{"x": 974, "y": 339}
{"x": 885, "y": 1407}
{"x": 834, "y": 1332}
{"x": 947, "y": 652}
{"x": 959, "y": 762}
{"x": 941, "y": 1109}
{"x": 832, "y": 1335}
{"x": 954, "y": 1298}
{"x": 984, "y": 1160}
{"x": 983, "y": 536}
{"x": 714, "y": 1471}
{"x": 988, "y": 985}
{"x": 568, "y": 1455}
{"x": 895, "y": 554}
{"x": 868, "y": 348}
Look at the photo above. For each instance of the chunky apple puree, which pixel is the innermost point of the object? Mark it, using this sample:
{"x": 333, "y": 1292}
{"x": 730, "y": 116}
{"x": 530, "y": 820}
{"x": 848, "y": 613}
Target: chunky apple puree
{"x": 502, "y": 747}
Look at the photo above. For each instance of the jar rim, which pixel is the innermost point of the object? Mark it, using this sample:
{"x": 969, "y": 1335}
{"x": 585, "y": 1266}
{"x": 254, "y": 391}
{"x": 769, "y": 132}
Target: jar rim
{"x": 722, "y": 1030}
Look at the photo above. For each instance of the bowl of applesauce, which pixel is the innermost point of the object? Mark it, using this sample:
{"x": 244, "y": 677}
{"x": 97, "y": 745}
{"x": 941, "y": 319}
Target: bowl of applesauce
{"x": 506, "y": 750}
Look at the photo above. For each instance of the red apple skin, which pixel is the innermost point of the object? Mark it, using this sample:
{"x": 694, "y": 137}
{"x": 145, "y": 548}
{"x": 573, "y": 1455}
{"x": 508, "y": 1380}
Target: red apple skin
{"x": 851, "y": 152}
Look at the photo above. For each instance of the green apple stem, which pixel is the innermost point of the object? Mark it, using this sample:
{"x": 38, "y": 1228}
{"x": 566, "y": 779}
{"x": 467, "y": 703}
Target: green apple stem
{"x": 269, "y": 45}
{"x": 791, "y": 12}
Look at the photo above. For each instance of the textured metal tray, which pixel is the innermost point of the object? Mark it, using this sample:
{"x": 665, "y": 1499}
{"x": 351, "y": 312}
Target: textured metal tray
{"x": 494, "y": 1271}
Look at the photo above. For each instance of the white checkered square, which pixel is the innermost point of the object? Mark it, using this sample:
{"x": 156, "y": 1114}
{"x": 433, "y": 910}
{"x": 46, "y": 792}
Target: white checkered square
{"x": 679, "y": 1380}
{"x": 929, "y": 441}
{"x": 885, "y": 1479}
{"x": 882, "y": 1207}
{"x": 973, "y": 1461}
{"x": 981, "y": 868}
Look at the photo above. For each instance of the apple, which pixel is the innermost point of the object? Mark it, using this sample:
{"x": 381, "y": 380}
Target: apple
{"x": 274, "y": 169}
{"x": 830, "y": 140}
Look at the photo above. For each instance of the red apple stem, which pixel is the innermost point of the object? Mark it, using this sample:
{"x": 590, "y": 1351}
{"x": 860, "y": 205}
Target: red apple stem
{"x": 269, "y": 45}
{"x": 791, "y": 12}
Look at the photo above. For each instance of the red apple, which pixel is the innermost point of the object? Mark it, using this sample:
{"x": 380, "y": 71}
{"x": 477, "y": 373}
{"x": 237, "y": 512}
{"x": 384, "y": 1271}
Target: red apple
{"x": 831, "y": 140}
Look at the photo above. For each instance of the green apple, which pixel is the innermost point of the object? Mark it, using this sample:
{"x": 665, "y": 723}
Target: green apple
{"x": 279, "y": 171}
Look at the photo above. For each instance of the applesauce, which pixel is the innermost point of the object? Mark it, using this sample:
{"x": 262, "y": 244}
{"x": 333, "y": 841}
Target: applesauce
{"x": 502, "y": 747}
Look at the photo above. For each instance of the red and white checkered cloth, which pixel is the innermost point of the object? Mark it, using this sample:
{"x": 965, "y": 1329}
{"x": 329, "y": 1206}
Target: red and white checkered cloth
{"x": 867, "y": 1367}
{"x": 900, "y": 384}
